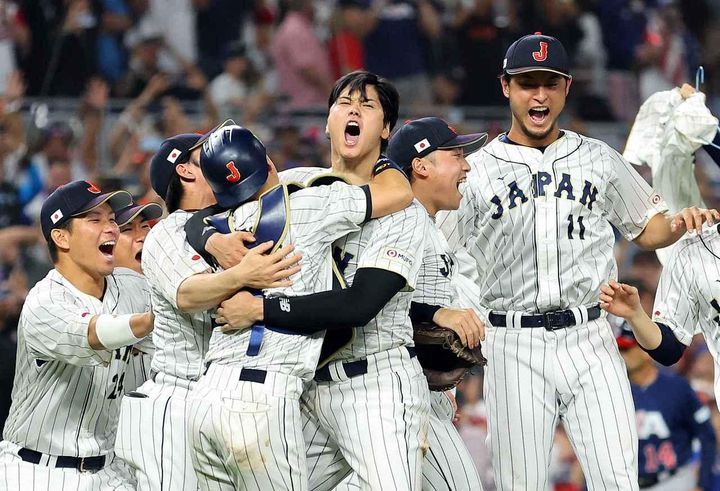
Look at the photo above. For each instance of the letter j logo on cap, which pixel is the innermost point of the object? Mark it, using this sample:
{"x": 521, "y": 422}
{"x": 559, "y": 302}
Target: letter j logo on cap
{"x": 542, "y": 54}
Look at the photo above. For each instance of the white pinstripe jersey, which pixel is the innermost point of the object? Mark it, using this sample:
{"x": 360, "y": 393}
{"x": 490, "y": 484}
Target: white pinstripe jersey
{"x": 181, "y": 339}
{"x": 318, "y": 216}
{"x": 688, "y": 295}
{"x": 66, "y": 396}
{"x": 538, "y": 223}
{"x": 435, "y": 284}
{"x": 394, "y": 243}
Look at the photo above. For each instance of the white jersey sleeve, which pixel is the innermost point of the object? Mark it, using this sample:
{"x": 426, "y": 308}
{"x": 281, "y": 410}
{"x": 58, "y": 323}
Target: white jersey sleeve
{"x": 632, "y": 202}
{"x": 397, "y": 244}
{"x": 169, "y": 261}
{"x": 677, "y": 300}
{"x": 331, "y": 211}
{"x": 56, "y": 328}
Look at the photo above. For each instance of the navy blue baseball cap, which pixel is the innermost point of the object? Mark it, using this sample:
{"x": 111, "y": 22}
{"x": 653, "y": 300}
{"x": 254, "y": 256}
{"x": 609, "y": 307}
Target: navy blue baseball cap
{"x": 536, "y": 52}
{"x": 418, "y": 138}
{"x": 75, "y": 199}
{"x": 173, "y": 151}
{"x": 149, "y": 211}
{"x": 626, "y": 337}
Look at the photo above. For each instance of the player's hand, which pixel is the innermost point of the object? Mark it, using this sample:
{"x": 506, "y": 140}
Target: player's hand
{"x": 465, "y": 322}
{"x": 229, "y": 249}
{"x": 693, "y": 218}
{"x": 451, "y": 397}
{"x": 259, "y": 271}
{"x": 620, "y": 299}
{"x": 686, "y": 91}
{"x": 238, "y": 312}
{"x": 142, "y": 324}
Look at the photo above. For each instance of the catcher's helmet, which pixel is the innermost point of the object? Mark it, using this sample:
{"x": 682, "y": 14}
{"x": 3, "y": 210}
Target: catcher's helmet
{"x": 234, "y": 163}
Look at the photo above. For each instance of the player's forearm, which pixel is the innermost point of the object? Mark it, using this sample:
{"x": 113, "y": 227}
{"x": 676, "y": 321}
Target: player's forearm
{"x": 658, "y": 234}
{"x": 108, "y": 332}
{"x": 391, "y": 192}
{"x": 647, "y": 333}
{"x": 206, "y": 290}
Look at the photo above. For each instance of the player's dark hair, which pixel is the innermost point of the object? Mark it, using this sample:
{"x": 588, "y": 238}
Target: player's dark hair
{"x": 357, "y": 81}
{"x": 175, "y": 193}
{"x": 52, "y": 247}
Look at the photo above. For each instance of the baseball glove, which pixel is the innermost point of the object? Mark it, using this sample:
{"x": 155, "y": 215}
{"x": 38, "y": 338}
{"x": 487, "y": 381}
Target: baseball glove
{"x": 444, "y": 358}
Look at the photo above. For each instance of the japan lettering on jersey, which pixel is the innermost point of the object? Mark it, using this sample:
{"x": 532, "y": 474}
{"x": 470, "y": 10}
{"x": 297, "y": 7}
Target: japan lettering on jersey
{"x": 538, "y": 223}
{"x": 66, "y": 395}
{"x": 393, "y": 243}
{"x": 317, "y": 216}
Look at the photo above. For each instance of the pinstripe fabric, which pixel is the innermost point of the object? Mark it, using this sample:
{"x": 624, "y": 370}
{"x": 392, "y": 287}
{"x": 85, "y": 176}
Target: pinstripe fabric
{"x": 537, "y": 225}
{"x": 377, "y": 422}
{"x": 18, "y": 475}
{"x": 688, "y": 296}
{"x": 181, "y": 339}
{"x": 224, "y": 410}
{"x": 318, "y": 216}
{"x": 151, "y": 433}
{"x": 65, "y": 402}
{"x": 247, "y": 435}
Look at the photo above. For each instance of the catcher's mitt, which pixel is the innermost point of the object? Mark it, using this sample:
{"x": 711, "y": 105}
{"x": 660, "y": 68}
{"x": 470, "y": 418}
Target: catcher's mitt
{"x": 445, "y": 360}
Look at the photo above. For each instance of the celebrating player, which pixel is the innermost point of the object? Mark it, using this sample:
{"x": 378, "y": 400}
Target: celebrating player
{"x": 433, "y": 156}
{"x": 74, "y": 339}
{"x": 264, "y": 370}
{"x": 152, "y": 436}
{"x": 134, "y": 222}
{"x": 669, "y": 418}
{"x": 536, "y": 219}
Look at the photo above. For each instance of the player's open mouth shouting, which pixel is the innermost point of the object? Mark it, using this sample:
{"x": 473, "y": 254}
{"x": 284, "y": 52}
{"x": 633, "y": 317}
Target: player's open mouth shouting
{"x": 352, "y": 133}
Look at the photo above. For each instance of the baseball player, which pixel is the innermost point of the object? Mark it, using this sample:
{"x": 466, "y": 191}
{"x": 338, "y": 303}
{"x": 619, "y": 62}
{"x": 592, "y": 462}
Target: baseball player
{"x": 151, "y": 434}
{"x": 433, "y": 156}
{"x": 687, "y": 301}
{"x": 244, "y": 420}
{"x": 669, "y": 417}
{"x": 134, "y": 223}
{"x": 366, "y": 410}
{"x": 536, "y": 219}
{"x": 74, "y": 339}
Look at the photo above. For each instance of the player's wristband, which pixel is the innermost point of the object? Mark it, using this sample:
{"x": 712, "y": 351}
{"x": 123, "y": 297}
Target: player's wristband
{"x": 114, "y": 331}
{"x": 383, "y": 165}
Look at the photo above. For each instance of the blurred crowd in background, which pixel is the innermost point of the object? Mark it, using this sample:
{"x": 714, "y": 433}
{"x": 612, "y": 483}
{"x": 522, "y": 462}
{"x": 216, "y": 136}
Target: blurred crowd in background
{"x": 90, "y": 88}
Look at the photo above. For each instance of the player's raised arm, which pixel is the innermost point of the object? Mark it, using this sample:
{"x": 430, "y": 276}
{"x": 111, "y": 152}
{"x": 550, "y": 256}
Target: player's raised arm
{"x": 662, "y": 231}
{"x": 389, "y": 188}
{"x": 657, "y": 340}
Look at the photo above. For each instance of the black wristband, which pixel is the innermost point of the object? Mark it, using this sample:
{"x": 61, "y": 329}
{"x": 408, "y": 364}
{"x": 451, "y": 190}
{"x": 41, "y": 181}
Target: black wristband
{"x": 422, "y": 312}
{"x": 384, "y": 164}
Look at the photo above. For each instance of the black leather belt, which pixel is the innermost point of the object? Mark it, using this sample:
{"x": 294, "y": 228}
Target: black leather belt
{"x": 351, "y": 368}
{"x": 82, "y": 464}
{"x": 557, "y": 319}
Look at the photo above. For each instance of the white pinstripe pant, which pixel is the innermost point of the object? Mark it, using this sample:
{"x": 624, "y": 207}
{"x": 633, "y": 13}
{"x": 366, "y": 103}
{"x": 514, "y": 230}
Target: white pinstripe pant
{"x": 151, "y": 436}
{"x": 247, "y": 435}
{"x": 18, "y": 475}
{"x": 534, "y": 377}
{"x": 373, "y": 424}
{"x": 448, "y": 466}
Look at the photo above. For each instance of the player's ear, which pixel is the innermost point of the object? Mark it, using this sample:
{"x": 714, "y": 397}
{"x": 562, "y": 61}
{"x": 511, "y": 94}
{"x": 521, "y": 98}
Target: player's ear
{"x": 420, "y": 167}
{"x": 505, "y": 84}
{"x": 567, "y": 86}
{"x": 187, "y": 172}
{"x": 385, "y": 135}
{"x": 61, "y": 238}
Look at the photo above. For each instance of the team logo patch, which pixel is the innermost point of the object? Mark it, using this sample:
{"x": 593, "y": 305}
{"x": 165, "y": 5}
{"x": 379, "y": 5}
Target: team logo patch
{"x": 655, "y": 199}
{"x": 93, "y": 188}
{"x": 657, "y": 312}
{"x": 173, "y": 155}
{"x": 285, "y": 304}
{"x": 55, "y": 217}
{"x": 195, "y": 257}
{"x": 234, "y": 175}
{"x": 422, "y": 145}
{"x": 541, "y": 55}
{"x": 397, "y": 255}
